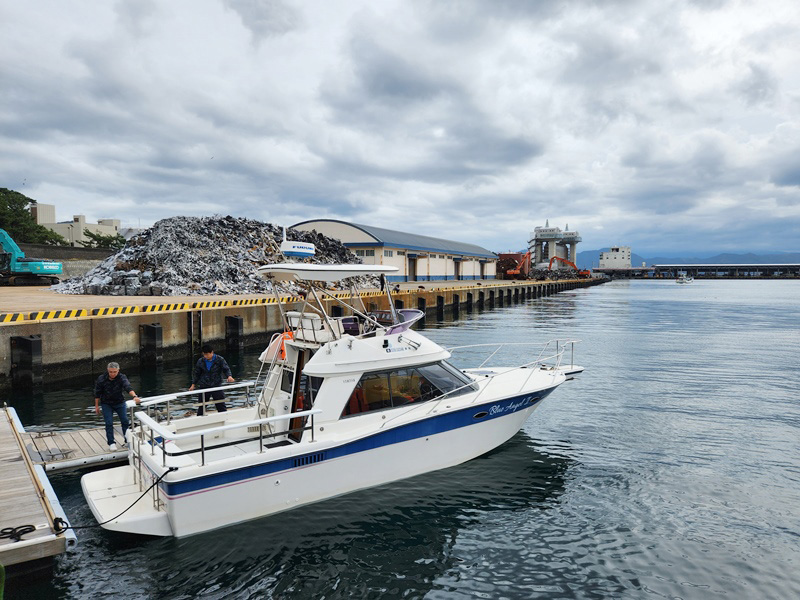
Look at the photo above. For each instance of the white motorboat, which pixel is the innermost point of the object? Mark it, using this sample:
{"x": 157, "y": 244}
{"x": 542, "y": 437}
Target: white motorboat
{"x": 342, "y": 403}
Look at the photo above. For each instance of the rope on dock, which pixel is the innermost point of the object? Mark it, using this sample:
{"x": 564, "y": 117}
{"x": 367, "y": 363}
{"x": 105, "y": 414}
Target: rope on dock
{"x": 16, "y": 533}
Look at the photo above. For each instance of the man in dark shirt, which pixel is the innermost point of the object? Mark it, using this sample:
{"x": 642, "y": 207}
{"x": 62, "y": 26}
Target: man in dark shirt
{"x": 108, "y": 394}
{"x": 208, "y": 373}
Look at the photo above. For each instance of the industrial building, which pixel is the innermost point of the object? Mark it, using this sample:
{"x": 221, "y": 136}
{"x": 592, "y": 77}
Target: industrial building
{"x": 548, "y": 242}
{"x": 73, "y": 231}
{"x": 418, "y": 257}
{"x": 617, "y": 257}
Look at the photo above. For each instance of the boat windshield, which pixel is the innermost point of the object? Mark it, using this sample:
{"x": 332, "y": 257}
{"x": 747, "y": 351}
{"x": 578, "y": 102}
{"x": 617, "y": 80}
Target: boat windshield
{"x": 399, "y": 387}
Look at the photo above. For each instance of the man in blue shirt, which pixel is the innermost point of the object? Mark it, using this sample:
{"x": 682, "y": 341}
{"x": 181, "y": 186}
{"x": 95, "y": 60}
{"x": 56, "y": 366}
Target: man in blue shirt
{"x": 108, "y": 393}
{"x": 208, "y": 373}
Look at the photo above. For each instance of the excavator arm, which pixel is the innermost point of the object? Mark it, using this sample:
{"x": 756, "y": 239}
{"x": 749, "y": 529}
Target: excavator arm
{"x": 524, "y": 262}
{"x": 581, "y": 273}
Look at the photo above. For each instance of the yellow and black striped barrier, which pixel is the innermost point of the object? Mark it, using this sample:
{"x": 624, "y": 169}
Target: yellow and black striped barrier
{"x": 12, "y": 317}
{"x": 163, "y": 307}
{"x": 249, "y": 301}
{"x": 115, "y": 310}
{"x": 153, "y": 308}
{"x": 57, "y": 314}
{"x": 212, "y": 304}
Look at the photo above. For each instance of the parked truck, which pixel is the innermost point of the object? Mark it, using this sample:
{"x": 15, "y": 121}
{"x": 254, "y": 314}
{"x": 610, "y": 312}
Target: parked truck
{"x": 16, "y": 269}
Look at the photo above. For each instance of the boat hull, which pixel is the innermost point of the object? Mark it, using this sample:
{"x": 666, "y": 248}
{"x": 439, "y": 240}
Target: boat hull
{"x": 437, "y": 442}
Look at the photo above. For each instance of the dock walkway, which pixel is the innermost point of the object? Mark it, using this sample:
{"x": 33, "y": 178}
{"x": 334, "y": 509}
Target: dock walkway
{"x": 55, "y": 450}
{"x": 26, "y": 498}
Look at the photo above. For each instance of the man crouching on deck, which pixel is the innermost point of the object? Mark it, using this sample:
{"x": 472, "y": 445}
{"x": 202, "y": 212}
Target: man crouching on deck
{"x": 108, "y": 390}
{"x": 208, "y": 373}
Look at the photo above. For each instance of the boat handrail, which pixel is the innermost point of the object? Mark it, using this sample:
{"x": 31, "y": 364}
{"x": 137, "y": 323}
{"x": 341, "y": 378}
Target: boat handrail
{"x": 168, "y": 434}
{"x": 151, "y": 400}
{"x": 500, "y": 345}
{"x": 561, "y": 347}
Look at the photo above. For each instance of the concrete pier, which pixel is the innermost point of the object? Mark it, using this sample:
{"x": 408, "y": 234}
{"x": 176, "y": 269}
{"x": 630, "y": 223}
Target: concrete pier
{"x": 77, "y": 332}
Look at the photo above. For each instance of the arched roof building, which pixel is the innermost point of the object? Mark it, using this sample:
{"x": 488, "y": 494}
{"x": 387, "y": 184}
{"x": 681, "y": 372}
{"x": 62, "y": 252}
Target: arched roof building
{"x": 418, "y": 257}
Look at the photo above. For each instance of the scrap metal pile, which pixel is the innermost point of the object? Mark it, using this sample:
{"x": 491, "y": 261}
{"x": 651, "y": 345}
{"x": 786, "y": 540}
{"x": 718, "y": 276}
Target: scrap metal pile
{"x": 199, "y": 256}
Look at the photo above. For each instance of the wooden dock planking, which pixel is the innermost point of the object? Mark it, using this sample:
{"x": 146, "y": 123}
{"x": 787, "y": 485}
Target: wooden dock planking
{"x": 21, "y": 504}
{"x": 78, "y": 443}
{"x": 51, "y": 449}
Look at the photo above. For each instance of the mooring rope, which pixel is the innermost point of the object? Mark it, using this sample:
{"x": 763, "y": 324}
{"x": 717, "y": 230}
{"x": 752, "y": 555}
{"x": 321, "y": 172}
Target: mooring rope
{"x": 16, "y": 533}
{"x": 61, "y": 525}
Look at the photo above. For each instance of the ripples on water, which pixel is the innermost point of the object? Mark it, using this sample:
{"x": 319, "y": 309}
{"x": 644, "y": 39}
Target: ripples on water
{"x": 668, "y": 469}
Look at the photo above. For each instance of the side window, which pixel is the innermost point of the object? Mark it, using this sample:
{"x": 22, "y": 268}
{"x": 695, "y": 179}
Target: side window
{"x": 371, "y": 393}
{"x": 310, "y": 388}
{"x": 286, "y": 381}
{"x": 441, "y": 378}
{"x": 401, "y": 387}
{"x": 404, "y": 387}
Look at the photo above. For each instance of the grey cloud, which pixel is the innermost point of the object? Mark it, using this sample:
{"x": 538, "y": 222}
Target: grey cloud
{"x": 602, "y": 60}
{"x": 786, "y": 170}
{"x": 506, "y": 112}
{"x": 266, "y": 18}
{"x": 135, "y": 16}
{"x": 406, "y": 103}
{"x": 710, "y": 4}
{"x": 759, "y": 85}
{"x": 390, "y": 77}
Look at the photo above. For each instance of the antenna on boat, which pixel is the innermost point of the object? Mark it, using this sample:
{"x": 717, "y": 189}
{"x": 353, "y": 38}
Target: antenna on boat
{"x": 296, "y": 249}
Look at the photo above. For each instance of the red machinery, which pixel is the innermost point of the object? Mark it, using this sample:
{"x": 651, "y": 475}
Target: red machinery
{"x": 581, "y": 273}
{"x": 523, "y": 267}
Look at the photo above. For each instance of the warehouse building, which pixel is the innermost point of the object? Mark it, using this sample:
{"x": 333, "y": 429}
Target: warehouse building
{"x": 418, "y": 257}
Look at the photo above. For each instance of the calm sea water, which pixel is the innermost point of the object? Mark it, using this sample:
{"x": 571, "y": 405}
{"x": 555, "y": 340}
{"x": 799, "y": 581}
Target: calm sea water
{"x": 669, "y": 469}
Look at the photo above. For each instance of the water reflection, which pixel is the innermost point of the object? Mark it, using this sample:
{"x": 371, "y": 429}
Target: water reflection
{"x": 352, "y": 546}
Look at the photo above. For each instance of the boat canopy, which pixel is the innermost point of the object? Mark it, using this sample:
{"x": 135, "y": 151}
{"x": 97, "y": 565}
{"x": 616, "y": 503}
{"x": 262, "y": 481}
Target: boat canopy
{"x": 315, "y": 272}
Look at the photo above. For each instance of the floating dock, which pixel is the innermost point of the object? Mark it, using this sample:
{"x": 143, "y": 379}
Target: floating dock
{"x": 56, "y": 450}
{"x": 28, "y": 504}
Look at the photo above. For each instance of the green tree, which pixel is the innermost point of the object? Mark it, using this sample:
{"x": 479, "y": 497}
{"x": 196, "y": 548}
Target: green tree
{"x": 17, "y": 220}
{"x": 99, "y": 240}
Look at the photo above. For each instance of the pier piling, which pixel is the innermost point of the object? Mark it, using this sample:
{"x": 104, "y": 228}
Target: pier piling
{"x": 151, "y": 343}
{"x": 26, "y": 361}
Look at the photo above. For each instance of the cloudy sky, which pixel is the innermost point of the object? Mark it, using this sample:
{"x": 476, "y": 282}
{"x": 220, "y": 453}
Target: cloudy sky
{"x": 669, "y": 126}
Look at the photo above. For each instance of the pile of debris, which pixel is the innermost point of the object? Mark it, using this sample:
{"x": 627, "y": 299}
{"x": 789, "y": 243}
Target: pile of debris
{"x": 199, "y": 256}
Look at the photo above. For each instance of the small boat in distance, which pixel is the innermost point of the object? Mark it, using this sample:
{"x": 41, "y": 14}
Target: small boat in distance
{"x": 684, "y": 278}
{"x": 347, "y": 398}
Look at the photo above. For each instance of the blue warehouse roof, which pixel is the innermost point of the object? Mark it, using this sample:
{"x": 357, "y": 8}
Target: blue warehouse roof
{"x": 410, "y": 241}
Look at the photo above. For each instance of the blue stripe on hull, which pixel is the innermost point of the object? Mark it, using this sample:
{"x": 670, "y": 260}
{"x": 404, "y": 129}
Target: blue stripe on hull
{"x": 403, "y": 433}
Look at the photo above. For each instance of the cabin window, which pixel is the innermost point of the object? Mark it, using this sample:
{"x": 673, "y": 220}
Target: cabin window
{"x": 286, "y": 381}
{"x": 309, "y": 388}
{"x": 400, "y": 387}
{"x": 369, "y": 252}
{"x": 388, "y": 253}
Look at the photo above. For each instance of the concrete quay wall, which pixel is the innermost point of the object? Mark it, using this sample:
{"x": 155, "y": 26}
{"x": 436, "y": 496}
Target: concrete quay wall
{"x": 75, "y": 342}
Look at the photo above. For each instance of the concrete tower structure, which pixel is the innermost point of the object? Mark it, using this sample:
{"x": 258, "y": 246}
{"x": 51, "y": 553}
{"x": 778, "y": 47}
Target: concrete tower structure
{"x": 547, "y": 242}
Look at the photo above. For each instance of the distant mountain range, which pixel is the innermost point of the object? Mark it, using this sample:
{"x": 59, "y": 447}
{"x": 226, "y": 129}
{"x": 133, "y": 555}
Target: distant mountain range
{"x": 590, "y": 258}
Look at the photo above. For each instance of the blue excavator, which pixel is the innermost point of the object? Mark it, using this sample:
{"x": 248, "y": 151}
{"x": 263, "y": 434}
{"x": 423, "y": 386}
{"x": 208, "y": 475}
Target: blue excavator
{"x": 15, "y": 269}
